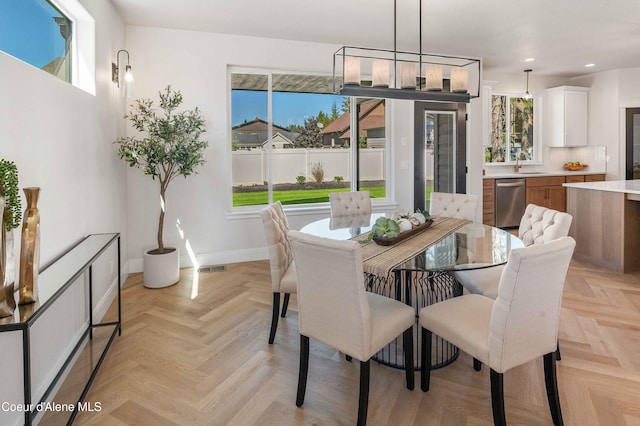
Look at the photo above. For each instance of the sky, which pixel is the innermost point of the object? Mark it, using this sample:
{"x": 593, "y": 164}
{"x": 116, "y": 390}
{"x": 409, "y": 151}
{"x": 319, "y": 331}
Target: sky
{"x": 28, "y": 31}
{"x": 288, "y": 108}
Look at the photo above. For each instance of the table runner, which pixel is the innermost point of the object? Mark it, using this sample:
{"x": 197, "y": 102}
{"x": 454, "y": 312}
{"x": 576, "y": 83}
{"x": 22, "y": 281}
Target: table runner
{"x": 380, "y": 260}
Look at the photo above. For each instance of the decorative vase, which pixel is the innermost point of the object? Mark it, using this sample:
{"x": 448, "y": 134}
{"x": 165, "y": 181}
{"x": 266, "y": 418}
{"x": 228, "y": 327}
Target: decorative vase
{"x": 7, "y": 301}
{"x": 161, "y": 270}
{"x": 30, "y": 248}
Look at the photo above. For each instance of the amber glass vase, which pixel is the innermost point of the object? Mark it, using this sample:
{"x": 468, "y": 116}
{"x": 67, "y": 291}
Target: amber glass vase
{"x": 30, "y": 248}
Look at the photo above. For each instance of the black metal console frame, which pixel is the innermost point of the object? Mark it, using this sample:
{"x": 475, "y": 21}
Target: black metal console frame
{"x": 25, "y": 326}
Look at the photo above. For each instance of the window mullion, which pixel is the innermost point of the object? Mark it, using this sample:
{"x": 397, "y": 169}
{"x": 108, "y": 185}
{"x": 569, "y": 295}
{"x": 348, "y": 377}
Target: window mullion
{"x": 269, "y": 137}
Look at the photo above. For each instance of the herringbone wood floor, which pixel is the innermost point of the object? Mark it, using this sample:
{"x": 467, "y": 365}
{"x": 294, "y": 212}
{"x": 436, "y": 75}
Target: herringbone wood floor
{"x": 205, "y": 361}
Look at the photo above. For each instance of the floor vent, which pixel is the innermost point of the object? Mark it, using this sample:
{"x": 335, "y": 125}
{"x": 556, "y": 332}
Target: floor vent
{"x": 212, "y": 268}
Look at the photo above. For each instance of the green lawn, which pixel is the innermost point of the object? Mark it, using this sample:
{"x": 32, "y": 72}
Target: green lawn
{"x": 300, "y": 196}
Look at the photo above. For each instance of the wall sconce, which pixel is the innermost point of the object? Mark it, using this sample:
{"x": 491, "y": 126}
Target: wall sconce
{"x": 115, "y": 69}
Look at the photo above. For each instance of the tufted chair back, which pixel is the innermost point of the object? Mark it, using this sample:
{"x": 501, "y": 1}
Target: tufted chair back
{"x": 540, "y": 225}
{"x": 280, "y": 254}
{"x": 461, "y": 206}
{"x": 526, "y": 313}
{"x": 350, "y": 203}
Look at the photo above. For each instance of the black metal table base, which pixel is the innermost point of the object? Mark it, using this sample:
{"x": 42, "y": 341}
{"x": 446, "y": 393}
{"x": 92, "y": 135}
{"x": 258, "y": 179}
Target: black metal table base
{"x": 417, "y": 289}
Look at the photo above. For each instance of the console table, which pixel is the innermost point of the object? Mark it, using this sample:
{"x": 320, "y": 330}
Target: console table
{"x": 54, "y": 281}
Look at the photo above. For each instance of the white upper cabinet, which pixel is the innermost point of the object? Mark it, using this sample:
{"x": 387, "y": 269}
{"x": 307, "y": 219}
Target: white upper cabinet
{"x": 566, "y": 116}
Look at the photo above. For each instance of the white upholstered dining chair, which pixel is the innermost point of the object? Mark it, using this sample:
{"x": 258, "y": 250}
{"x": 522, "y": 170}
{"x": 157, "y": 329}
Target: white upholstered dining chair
{"x": 335, "y": 309}
{"x": 283, "y": 270}
{"x": 460, "y": 206}
{"x": 538, "y": 225}
{"x": 520, "y": 325}
{"x": 350, "y": 203}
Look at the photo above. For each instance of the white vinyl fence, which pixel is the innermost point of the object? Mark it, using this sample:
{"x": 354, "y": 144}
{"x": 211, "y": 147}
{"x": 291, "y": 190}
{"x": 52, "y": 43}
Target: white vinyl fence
{"x": 252, "y": 167}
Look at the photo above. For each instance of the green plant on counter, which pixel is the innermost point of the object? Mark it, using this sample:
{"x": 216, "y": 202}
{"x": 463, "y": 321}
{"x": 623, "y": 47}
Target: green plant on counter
{"x": 9, "y": 189}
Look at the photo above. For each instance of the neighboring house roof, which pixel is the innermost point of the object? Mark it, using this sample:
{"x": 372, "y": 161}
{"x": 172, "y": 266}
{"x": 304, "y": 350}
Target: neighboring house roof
{"x": 371, "y": 117}
{"x": 254, "y": 133}
{"x": 279, "y": 138}
{"x": 256, "y": 125}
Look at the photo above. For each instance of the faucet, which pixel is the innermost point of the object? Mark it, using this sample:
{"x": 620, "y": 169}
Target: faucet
{"x": 516, "y": 168}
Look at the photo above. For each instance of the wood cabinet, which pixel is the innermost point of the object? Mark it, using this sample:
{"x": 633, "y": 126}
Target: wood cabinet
{"x": 547, "y": 192}
{"x": 593, "y": 178}
{"x": 544, "y": 191}
{"x": 574, "y": 178}
{"x": 488, "y": 201}
{"x": 566, "y": 116}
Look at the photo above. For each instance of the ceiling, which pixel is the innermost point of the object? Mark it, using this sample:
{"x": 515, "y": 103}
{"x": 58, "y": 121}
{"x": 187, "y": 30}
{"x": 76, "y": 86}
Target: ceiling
{"x": 562, "y": 35}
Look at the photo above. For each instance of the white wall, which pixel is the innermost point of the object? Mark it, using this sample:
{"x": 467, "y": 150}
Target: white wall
{"x": 60, "y": 138}
{"x": 196, "y": 64}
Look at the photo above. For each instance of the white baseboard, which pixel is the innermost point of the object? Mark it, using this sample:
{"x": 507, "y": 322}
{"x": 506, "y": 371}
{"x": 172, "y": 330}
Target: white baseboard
{"x": 229, "y": 256}
{"x": 110, "y": 295}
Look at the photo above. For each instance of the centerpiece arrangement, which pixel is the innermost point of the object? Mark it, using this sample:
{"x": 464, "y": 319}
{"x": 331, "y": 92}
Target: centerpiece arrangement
{"x": 388, "y": 231}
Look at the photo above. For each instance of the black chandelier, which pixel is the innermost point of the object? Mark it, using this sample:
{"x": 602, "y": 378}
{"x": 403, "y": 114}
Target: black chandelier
{"x": 405, "y": 75}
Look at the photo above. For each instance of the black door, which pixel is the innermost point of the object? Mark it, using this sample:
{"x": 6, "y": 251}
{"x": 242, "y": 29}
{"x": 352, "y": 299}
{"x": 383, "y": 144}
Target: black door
{"x": 633, "y": 143}
{"x": 439, "y": 151}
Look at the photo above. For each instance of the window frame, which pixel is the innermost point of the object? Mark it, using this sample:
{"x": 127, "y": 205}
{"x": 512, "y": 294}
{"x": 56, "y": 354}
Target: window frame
{"x": 81, "y": 46}
{"x": 537, "y": 127}
{"x": 252, "y": 210}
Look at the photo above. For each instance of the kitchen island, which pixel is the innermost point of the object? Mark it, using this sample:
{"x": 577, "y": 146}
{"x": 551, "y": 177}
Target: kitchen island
{"x": 606, "y": 223}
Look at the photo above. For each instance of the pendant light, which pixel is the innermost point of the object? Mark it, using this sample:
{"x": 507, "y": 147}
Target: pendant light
{"x": 527, "y": 95}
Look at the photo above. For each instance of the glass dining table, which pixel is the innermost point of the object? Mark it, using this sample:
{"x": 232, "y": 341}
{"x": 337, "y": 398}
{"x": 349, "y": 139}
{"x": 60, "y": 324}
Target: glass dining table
{"x": 425, "y": 278}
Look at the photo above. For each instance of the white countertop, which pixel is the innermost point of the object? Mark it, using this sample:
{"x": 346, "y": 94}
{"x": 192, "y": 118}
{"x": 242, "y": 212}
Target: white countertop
{"x": 505, "y": 175}
{"x": 625, "y": 186}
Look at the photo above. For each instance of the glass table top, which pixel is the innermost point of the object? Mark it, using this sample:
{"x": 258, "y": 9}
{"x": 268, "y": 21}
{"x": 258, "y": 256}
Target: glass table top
{"x": 472, "y": 246}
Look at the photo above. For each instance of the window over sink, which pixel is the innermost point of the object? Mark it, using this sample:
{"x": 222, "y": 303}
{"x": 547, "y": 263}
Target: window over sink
{"x": 512, "y": 137}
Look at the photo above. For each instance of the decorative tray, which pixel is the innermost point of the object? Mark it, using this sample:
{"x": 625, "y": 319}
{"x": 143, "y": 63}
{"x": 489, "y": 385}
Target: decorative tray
{"x": 384, "y": 241}
{"x": 575, "y": 168}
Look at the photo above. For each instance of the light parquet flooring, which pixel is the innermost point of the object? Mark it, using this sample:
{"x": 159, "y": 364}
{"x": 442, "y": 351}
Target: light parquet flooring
{"x": 204, "y": 360}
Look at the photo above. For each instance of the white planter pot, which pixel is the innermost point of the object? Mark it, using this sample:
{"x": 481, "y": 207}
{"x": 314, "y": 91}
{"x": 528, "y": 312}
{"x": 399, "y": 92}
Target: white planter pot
{"x": 161, "y": 270}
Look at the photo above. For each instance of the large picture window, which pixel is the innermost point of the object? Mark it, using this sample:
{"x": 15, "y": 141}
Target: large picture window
{"x": 511, "y": 130}
{"x": 303, "y": 149}
{"x": 36, "y": 32}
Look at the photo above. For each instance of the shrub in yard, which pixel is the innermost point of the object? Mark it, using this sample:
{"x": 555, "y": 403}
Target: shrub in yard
{"x": 317, "y": 171}
{"x": 301, "y": 179}
{"x": 338, "y": 179}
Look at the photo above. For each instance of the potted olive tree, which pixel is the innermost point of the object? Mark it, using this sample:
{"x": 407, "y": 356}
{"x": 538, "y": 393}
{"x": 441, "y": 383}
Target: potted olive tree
{"x": 169, "y": 146}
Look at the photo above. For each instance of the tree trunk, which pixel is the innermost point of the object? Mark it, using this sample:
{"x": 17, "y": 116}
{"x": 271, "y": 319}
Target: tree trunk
{"x": 163, "y": 189}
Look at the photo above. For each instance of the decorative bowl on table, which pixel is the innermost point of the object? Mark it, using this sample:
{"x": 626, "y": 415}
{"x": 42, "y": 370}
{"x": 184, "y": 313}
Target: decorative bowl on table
{"x": 574, "y": 166}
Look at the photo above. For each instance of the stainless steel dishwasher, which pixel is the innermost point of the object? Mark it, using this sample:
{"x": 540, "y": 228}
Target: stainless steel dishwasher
{"x": 510, "y": 202}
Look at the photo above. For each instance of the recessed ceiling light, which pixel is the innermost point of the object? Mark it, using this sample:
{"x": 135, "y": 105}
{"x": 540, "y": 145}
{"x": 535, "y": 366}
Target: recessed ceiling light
{"x": 590, "y": 65}
{"x": 530, "y": 59}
